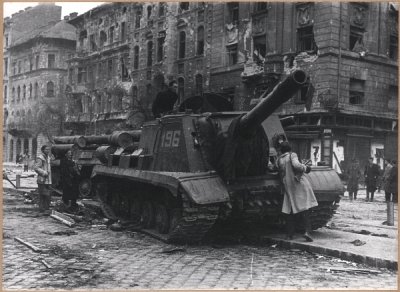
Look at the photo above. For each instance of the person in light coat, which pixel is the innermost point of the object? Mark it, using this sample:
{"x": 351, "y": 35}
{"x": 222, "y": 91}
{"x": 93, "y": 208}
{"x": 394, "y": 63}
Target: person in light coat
{"x": 298, "y": 194}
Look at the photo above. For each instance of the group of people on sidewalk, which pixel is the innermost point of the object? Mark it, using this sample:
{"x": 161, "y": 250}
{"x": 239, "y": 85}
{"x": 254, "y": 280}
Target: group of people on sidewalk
{"x": 69, "y": 173}
{"x": 373, "y": 179}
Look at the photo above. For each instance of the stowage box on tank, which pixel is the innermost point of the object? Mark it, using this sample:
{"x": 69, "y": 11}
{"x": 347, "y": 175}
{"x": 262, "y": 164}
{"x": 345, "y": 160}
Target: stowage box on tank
{"x": 185, "y": 171}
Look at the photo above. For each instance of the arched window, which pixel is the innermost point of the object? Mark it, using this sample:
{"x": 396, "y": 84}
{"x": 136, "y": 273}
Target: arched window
{"x": 36, "y": 90}
{"x": 136, "y": 57}
{"x": 50, "y": 89}
{"x": 24, "y": 92}
{"x": 200, "y": 40}
{"x": 13, "y": 95}
{"x": 181, "y": 89}
{"x": 199, "y": 84}
{"x": 134, "y": 96}
{"x": 161, "y": 9}
{"x": 182, "y": 44}
{"x": 30, "y": 90}
{"x": 5, "y": 93}
{"x": 149, "y": 54}
{"x": 149, "y": 10}
{"x": 18, "y": 93}
{"x": 103, "y": 38}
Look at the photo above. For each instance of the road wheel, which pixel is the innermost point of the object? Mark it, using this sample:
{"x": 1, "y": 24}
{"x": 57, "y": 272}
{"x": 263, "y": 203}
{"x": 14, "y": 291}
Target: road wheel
{"x": 147, "y": 214}
{"x": 85, "y": 188}
{"x": 162, "y": 219}
{"x": 176, "y": 215}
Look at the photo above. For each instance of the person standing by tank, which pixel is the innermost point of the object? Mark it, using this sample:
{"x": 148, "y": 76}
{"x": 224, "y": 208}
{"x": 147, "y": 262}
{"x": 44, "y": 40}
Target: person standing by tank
{"x": 385, "y": 179}
{"x": 371, "y": 174}
{"x": 165, "y": 100}
{"x": 298, "y": 194}
{"x": 69, "y": 180}
{"x": 354, "y": 174}
{"x": 43, "y": 168}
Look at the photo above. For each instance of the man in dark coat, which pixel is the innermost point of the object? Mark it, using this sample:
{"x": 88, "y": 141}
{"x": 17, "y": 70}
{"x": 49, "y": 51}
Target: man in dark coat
{"x": 392, "y": 182}
{"x": 354, "y": 174}
{"x": 69, "y": 173}
{"x": 165, "y": 100}
{"x": 371, "y": 174}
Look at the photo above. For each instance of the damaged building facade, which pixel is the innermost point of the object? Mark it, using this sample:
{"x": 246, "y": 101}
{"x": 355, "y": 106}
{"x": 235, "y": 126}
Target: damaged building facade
{"x": 126, "y": 52}
{"x": 348, "y": 108}
{"x": 36, "y": 70}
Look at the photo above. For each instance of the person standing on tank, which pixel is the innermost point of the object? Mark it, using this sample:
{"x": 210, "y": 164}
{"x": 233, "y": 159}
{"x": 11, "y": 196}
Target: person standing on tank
{"x": 69, "y": 180}
{"x": 165, "y": 100}
{"x": 298, "y": 194}
{"x": 354, "y": 174}
{"x": 371, "y": 174}
{"x": 42, "y": 167}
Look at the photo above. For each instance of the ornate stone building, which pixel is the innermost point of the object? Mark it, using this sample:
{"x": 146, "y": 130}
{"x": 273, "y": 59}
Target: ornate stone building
{"x": 36, "y": 78}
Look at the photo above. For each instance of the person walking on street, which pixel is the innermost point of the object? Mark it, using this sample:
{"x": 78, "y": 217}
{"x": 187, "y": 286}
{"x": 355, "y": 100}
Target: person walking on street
{"x": 298, "y": 195}
{"x": 69, "y": 174}
{"x": 385, "y": 179}
{"x": 371, "y": 174}
{"x": 354, "y": 174}
{"x": 43, "y": 168}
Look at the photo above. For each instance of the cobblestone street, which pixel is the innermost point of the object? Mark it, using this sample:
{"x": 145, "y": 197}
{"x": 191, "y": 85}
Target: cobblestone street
{"x": 85, "y": 258}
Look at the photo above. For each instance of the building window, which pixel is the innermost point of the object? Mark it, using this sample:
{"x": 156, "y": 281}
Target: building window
{"x": 31, "y": 64}
{"x": 260, "y": 48}
{"x": 110, "y": 70}
{"x": 24, "y": 92}
{"x": 233, "y": 12}
{"x": 81, "y": 75}
{"x": 5, "y": 66}
{"x": 181, "y": 89}
{"x": 123, "y": 31}
{"x": 111, "y": 34}
{"x": 182, "y": 45}
{"x": 90, "y": 74}
{"x": 232, "y": 54}
{"x": 14, "y": 68}
{"x": 51, "y": 60}
{"x": 149, "y": 11}
{"x": 305, "y": 39}
{"x": 138, "y": 17}
{"x": 356, "y": 37}
{"x": 30, "y": 91}
{"x": 37, "y": 62}
{"x": 199, "y": 84}
{"x": 13, "y": 95}
{"x": 124, "y": 68}
{"x": 103, "y": 38}
{"x": 183, "y": 6}
{"x": 357, "y": 89}
{"x": 82, "y": 37}
{"x": 136, "y": 57}
{"x": 5, "y": 94}
{"x": 161, "y": 9}
{"x": 50, "y": 89}
{"x": 93, "y": 46}
{"x": 19, "y": 67}
{"x": 70, "y": 75}
{"x": 36, "y": 90}
{"x": 261, "y": 6}
{"x": 134, "y": 96}
{"x": 18, "y": 94}
{"x": 6, "y": 37}
{"x": 160, "y": 48}
{"x": 200, "y": 40}
{"x": 108, "y": 102}
{"x": 393, "y": 47}
{"x": 149, "y": 53}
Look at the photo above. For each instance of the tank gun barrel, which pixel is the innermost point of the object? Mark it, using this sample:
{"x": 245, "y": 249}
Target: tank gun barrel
{"x": 281, "y": 93}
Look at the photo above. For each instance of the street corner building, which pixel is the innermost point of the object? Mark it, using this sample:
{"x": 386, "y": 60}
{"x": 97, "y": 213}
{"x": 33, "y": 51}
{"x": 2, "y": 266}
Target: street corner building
{"x": 122, "y": 54}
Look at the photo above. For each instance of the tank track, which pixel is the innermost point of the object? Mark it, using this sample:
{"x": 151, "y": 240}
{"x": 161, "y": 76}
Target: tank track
{"x": 322, "y": 214}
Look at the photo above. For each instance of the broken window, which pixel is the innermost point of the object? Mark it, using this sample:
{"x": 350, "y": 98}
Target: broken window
{"x": 181, "y": 89}
{"x": 149, "y": 53}
{"x": 81, "y": 75}
{"x": 30, "y": 91}
{"x": 18, "y": 93}
{"x": 136, "y": 57}
{"x": 37, "y": 62}
{"x": 124, "y": 68}
{"x": 200, "y": 40}
{"x": 161, "y": 9}
{"x": 182, "y": 45}
{"x": 305, "y": 39}
{"x": 259, "y": 48}
{"x": 13, "y": 95}
{"x": 5, "y": 66}
{"x": 233, "y": 12}
{"x": 123, "y": 31}
{"x": 24, "y": 92}
{"x": 357, "y": 89}
{"x": 93, "y": 46}
{"x": 51, "y": 60}
{"x": 199, "y": 84}
{"x": 111, "y": 34}
{"x": 232, "y": 54}
{"x": 5, "y": 94}
{"x": 50, "y": 89}
{"x": 82, "y": 37}
{"x": 138, "y": 17}
{"x": 160, "y": 48}
{"x": 183, "y": 6}
{"x": 103, "y": 38}
{"x": 36, "y": 93}
{"x": 303, "y": 93}
{"x": 356, "y": 37}
{"x": 149, "y": 11}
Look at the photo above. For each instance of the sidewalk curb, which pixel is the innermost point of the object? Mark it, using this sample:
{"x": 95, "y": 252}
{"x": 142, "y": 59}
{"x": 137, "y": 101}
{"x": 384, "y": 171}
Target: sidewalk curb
{"x": 348, "y": 256}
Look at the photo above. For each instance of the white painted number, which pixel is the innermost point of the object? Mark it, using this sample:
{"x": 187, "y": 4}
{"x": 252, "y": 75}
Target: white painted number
{"x": 171, "y": 138}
